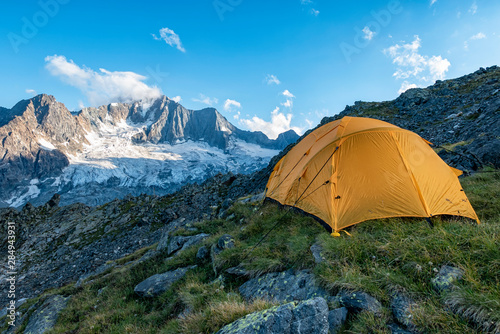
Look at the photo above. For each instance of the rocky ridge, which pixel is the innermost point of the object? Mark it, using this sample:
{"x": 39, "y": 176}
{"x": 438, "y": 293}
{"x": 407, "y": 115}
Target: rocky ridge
{"x": 98, "y": 154}
{"x": 462, "y": 114}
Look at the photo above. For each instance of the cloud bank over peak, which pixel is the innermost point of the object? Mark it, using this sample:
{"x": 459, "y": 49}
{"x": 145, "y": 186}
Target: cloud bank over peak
{"x": 104, "y": 86}
{"x": 279, "y": 123}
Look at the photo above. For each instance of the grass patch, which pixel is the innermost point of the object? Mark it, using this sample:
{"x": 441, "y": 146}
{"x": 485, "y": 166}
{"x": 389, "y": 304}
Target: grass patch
{"x": 451, "y": 147}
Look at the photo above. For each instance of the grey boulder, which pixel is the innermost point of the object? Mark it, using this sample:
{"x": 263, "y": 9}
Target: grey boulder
{"x": 284, "y": 286}
{"x": 45, "y": 317}
{"x": 310, "y": 316}
{"x": 159, "y": 283}
{"x": 358, "y": 301}
{"x": 202, "y": 253}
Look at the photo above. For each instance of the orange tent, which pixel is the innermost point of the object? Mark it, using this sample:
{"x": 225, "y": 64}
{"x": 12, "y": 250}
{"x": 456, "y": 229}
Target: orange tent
{"x": 355, "y": 169}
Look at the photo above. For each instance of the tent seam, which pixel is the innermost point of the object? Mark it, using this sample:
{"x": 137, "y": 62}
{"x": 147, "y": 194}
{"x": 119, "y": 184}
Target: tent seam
{"x": 412, "y": 176}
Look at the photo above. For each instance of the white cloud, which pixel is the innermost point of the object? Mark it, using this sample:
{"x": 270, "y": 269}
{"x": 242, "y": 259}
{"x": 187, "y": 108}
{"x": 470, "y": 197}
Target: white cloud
{"x": 368, "y": 34}
{"x": 228, "y": 104}
{"x": 171, "y": 38}
{"x": 405, "y": 86}
{"x": 272, "y": 79}
{"x": 237, "y": 115}
{"x": 314, "y": 12}
{"x": 473, "y": 8}
{"x": 411, "y": 64}
{"x": 207, "y": 100}
{"x": 478, "y": 36}
{"x": 289, "y": 96}
{"x": 101, "y": 87}
{"x": 305, "y": 2}
{"x": 438, "y": 67}
{"x": 279, "y": 123}
{"x": 177, "y": 99}
{"x": 31, "y": 91}
{"x": 433, "y": 2}
{"x": 287, "y": 93}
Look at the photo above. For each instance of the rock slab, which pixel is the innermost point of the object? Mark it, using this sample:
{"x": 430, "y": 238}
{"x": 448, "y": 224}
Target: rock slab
{"x": 159, "y": 283}
{"x": 284, "y": 287}
{"x": 310, "y": 316}
{"x": 45, "y": 317}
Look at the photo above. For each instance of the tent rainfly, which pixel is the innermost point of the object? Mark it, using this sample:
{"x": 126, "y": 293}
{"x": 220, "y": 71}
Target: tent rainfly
{"x": 356, "y": 169}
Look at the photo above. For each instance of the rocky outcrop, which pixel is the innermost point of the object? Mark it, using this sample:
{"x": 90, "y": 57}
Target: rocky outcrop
{"x": 169, "y": 122}
{"x": 465, "y": 110}
{"x": 35, "y": 137}
{"x": 159, "y": 283}
{"x": 45, "y": 316}
{"x": 284, "y": 287}
{"x": 310, "y": 316}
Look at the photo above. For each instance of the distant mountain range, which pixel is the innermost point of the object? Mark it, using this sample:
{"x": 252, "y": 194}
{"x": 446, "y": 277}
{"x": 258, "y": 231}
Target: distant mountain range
{"x": 99, "y": 154}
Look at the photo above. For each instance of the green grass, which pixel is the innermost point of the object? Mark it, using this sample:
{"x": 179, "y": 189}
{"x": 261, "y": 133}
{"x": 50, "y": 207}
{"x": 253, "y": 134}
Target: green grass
{"x": 451, "y": 147}
{"x": 380, "y": 257}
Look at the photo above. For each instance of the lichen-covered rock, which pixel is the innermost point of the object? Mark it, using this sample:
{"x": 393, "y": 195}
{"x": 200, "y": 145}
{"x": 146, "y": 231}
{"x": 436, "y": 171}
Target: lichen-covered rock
{"x": 358, "y": 300}
{"x": 45, "y": 317}
{"x": 159, "y": 283}
{"x": 310, "y": 316}
{"x": 336, "y": 318}
{"x": 446, "y": 278}
{"x": 402, "y": 307}
{"x": 285, "y": 286}
{"x": 179, "y": 243}
{"x": 317, "y": 252}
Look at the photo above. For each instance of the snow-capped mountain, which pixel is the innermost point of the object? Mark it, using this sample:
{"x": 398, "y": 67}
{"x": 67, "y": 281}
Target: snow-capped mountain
{"x": 99, "y": 154}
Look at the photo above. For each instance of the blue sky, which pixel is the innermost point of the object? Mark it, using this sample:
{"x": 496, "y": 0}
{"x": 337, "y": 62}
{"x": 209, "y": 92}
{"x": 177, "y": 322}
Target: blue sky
{"x": 265, "y": 65}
